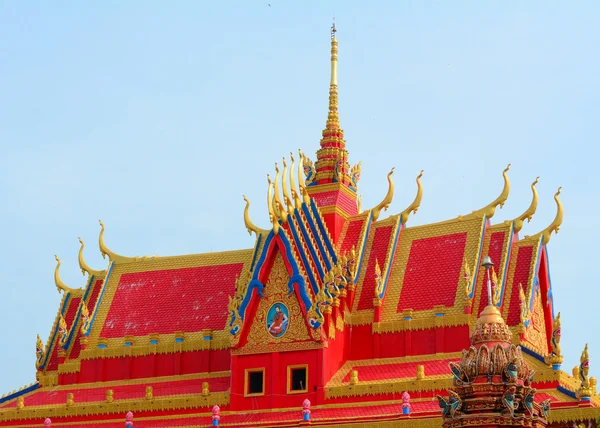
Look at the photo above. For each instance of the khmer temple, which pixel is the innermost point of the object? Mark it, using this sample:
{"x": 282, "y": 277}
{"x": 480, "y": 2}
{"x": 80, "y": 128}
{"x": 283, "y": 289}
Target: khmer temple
{"x": 336, "y": 315}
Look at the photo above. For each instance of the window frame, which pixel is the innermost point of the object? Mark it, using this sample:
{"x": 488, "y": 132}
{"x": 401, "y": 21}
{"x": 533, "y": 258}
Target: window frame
{"x": 247, "y": 382}
{"x": 289, "y": 379}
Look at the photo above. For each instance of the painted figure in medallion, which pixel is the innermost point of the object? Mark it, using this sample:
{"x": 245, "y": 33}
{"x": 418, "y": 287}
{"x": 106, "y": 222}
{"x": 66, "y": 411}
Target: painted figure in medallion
{"x": 277, "y": 320}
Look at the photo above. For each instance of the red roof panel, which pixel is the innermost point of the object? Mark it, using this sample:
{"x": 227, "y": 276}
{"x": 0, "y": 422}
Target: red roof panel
{"x": 165, "y": 301}
{"x": 379, "y": 249}
{"x": 402, "y": 370}
{"x": 98, "y": 393}
{"x": 76, "y": 349}
{"x": 352, "y": 234}
{"x": 432, "y": 272}
{"x": 495, "y": 252}
{"x": 71, "y": 312}
{"x": 521, "y": 276}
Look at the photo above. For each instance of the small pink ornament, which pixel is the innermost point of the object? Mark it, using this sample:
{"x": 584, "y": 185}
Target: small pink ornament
{"x": 306, "y": 410}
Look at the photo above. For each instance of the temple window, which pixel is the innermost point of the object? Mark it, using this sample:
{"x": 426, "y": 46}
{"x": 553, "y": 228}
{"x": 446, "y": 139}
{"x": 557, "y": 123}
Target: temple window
{"x": 297, "y": 379}
{"x": 254, "y": 382}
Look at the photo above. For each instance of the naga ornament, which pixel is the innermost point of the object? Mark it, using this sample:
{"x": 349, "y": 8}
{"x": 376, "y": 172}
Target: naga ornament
{"x": 450, "y": 406}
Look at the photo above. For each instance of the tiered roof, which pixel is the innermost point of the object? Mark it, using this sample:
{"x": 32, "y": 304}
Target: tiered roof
{"x": 384, "y": 306}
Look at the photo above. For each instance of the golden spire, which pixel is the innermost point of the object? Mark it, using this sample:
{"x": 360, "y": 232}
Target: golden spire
{"x": 529, "y": 212}
{"x": 57, "y": 281}
{"x": 106, "y": 252}
{"x": 489, "y": 210}
{"x": 555, "y": 225}
{"x": 83, "y": 265}
{"x": 387, "y": 200}
{"x": 332, "y": 158}
{"x": 416, "y": 203}
{"x": 247, "y": 222}
{"x": 333, "y": 120}
{"x": 295, "y": 196}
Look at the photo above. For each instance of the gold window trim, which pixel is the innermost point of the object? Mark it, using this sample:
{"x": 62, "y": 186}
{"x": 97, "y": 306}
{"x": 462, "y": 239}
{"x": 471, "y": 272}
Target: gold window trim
{"x": 289, "y": 379}
{"x": 247, "y": 382}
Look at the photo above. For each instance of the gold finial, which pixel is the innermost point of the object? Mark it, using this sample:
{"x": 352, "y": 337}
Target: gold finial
{"x": 83, "y": 265}
{"x": 278, "y": 206}
{"x": 63, "y": 330}
{"x": 272, "y": 217}
{"x": 40, "y": 352}
{"x": 384, "y": 205}
{"x": 295, "y": 190}
{"x": 529, "y": 212}
{"x": 489, "y": 210}
{"x": 416, "y": 203}
{"x": 334, "y": 52}
{"x": 359, "y": 204}
{"x": 247, "y": 222}
{"x": 287, "y": 198}
{"x": 106, "y": 252}
{"x": 378, "y": 279}
{"x": 555, "y": 225}
{"x": 584, "y": 368}
{"x": 85, "y": 317}
{"x": 57, "y": 281}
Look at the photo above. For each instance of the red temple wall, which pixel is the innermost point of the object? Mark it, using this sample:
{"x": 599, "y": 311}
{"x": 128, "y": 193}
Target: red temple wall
{"x": 110, "y": 369}
{"x": 275, "y": 379}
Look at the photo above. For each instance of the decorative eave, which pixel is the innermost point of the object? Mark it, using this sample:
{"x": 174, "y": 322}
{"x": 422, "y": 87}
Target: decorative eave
{"x": 84, "y": 266}
{"x": 489, "y": 210}
{"x": 529, "y": 212}
{"x": 412, "y": 208}
{"x": 251, "y": 227}
{"x": 60, "y": 285}
{"x": 554, "y": 226}
{"x": 387, "y": 200}
{"x": 113, "y": 257}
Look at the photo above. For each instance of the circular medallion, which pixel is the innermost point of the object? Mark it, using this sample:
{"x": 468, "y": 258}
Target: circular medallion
{"x": 278, "y": 319}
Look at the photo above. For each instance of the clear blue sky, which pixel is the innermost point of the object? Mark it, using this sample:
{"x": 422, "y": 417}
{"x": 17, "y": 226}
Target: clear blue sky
{"x": 157, "y": 119}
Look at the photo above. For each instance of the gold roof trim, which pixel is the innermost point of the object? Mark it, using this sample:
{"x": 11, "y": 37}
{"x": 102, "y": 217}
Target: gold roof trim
{"x": 295, "y": 196}
{"x": 278, "y": 207}
{"x": 287, "y": 197}
{"x": 489, "y": 210}
{"x": 251, "y": 227}
{"x": 301, "y": 179}
{"x": 387, "y": 200}
{"x": 274, "y": 220}
{"x": 113, "y": 257}
{"x": 84, "y": 266}
{"x": 529, "y": 212}
{"x": 554, "y": 226}
{"x": 60, "y": 286}
{"x": 412, "y": 208}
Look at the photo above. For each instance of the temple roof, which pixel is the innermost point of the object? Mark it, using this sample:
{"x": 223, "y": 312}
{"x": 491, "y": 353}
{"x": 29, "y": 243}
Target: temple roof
{"x": 401, "y": 278}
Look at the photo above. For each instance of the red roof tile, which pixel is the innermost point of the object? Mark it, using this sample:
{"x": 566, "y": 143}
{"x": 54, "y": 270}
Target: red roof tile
{"x": 76, "y": 349}
{"x": 71, "y": 312}
{"x": 496, "y": 241}
{"x": 338, "y": 198}
{"x": 402, "y": 370}
{"x": 98, "y": 393}
{"x": 165, "y": 301}
{"x": 432, "y": 272}
{"x": 352, "y": 234}
{"x": 521, "y": 276}
{"x": 379, "y": 249}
